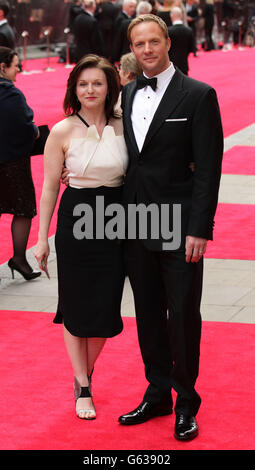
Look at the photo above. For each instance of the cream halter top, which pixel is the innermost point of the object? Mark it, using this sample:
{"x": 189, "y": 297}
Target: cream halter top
{"x": 95, "y": 161}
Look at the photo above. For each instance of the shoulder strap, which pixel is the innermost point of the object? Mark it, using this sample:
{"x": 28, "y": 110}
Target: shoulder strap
{"x": 83, "y": 120}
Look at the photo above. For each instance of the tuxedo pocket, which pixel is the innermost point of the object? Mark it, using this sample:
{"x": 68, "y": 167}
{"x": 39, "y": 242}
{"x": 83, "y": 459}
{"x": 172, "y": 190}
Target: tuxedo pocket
{"x": 176, "y": 120}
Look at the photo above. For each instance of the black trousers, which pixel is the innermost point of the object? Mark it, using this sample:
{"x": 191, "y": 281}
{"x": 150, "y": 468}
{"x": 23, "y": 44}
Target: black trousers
{"x": 167, "y": 295}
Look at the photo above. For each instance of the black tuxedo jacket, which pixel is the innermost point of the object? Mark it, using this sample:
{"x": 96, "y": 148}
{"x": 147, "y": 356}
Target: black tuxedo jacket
{"x": 88, "y": 37}
{"x": 121, "y": 44}
{"x": 7, "y": 38}
{"x": 182, "y": 43}
{"x": 186, "y": 128}
{"x": 122, "y": 16}
{"x": 106, "y": 15}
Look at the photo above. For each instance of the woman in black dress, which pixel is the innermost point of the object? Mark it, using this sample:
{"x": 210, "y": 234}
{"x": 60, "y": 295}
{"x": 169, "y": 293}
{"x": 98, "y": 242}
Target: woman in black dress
{"x": 17, "y": 136}
{"x": 90, "y": 143}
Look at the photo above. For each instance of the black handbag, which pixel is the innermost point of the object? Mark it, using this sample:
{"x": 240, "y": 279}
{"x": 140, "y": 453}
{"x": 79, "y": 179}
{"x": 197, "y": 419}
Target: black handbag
{"x": 38, "y": 147}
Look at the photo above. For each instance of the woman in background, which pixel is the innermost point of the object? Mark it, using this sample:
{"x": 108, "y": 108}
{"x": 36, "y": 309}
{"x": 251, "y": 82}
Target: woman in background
{"x": 129, "y": 68}
{"x": 17, "y": 136}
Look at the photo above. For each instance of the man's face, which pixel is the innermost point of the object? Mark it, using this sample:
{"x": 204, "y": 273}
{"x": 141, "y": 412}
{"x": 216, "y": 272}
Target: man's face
{"x": 150, "y": 47}
{"x": 130, "y": 8}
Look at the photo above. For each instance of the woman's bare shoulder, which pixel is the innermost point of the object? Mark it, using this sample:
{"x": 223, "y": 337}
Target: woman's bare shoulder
{"x": 63, "y": 128}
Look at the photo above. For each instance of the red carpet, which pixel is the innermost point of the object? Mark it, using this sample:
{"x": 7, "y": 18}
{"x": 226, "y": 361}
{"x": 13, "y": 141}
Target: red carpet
{"x": 233, "y": 233}
{"x": 239, "y": 160}
{"x": 37, "y": 405}
{"x": 232, "y": 75}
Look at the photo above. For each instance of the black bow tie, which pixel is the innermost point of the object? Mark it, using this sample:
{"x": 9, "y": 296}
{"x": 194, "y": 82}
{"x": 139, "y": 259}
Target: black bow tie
{"x": 142, "y": 82}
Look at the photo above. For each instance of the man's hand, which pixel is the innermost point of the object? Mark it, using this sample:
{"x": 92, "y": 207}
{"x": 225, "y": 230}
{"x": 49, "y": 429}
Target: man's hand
{"x": 64, "y": 176}
{"x": 195, "y": 248}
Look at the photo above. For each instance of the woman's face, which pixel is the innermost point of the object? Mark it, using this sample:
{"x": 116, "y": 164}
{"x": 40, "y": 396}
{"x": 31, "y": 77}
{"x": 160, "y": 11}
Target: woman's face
{"x": 92, "y": 88}
{"x": 11, "y": 72}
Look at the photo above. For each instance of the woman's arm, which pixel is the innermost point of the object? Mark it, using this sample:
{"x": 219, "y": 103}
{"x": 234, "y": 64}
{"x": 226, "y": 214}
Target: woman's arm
{"x": 53, "y": 164}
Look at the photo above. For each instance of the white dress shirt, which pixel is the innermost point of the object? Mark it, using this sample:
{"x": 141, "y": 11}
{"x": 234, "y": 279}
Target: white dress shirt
{"x": 145, "y": 104}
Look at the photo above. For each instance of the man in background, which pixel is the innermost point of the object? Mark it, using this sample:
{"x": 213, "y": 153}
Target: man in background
{"x": 106, "y": 14}
{"x": 88, "y": 37}
{"x": 182, "y": 41}
{"x": 7, "y": 38}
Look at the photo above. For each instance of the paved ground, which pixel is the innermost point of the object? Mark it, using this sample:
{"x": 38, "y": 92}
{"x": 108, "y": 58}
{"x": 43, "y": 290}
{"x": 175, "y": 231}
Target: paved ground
{"x": 229, "y": 285}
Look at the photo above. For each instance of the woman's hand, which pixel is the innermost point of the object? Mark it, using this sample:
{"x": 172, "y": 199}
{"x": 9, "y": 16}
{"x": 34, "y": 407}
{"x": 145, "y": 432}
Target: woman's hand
{"x": 41, "y": 252}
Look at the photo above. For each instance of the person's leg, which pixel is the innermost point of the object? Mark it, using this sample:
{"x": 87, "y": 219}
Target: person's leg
{"x": 183, "y": 286}
{"x": 94, "y": 348}
{"x": 20, "y": 229}
{"x": 77, "y": 352}
{"x": 152, "y": 321}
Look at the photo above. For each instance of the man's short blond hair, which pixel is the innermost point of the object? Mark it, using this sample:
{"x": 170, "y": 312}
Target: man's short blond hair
{"x": 149, "y": 17}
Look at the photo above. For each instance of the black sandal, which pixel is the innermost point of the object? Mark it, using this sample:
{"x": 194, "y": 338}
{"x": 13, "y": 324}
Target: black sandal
{"x": 83, "y": 392}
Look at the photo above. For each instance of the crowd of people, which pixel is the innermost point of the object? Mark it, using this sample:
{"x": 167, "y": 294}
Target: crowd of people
{"x": 100, "y": 26}
{"x": 113, "y": 19}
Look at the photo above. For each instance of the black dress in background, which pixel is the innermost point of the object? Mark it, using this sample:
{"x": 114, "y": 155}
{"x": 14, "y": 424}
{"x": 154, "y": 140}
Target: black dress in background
{"x": 17, "y": 192}
{"x": 17, "y": 137}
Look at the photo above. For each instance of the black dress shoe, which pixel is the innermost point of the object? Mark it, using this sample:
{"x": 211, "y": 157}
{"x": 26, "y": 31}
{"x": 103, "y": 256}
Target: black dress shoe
{"x": 186, "y": 428}
{"x": 144, "y": 412}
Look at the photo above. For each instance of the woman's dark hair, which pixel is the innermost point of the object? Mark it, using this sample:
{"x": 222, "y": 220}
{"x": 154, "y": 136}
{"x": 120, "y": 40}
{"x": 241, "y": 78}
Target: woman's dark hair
{"x": 6, "y": 55}
{"x": 72, "y": 105}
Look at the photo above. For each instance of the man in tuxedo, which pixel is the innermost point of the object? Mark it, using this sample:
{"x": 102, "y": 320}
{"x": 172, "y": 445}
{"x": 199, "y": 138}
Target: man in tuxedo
{"x": 75, "y": 10}
{"x": 182, "y": 41}
{"x": 192, "y": 18}
{"x": 126, "y": 13}
{"x": 169, "y": 122}
{"x": 106, "y": 14}
{"x": 7, "y": 38}
{"x": 121, "y": 40}
{"x": 123, "y": 20}
{"x": 88, "y": 37}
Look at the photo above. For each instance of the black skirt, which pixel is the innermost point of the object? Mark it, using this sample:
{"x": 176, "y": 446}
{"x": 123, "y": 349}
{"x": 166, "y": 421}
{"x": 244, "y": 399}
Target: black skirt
{"x": 90, "y": 270}
{"x": 17, "y": 192}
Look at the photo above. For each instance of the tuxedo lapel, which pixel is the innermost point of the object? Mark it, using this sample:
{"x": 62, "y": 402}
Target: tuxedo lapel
{"x": 131, "y": 89}
{"x": 172, "y": 97}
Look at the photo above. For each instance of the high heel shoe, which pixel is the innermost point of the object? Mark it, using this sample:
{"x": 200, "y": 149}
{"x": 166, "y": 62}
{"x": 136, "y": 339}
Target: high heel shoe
{"x": 83, "y": 392}
{"x": 28, "y": 276}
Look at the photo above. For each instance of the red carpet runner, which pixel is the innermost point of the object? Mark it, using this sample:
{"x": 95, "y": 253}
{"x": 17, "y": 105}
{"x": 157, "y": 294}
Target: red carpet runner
{"x": 37, "y": 404}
